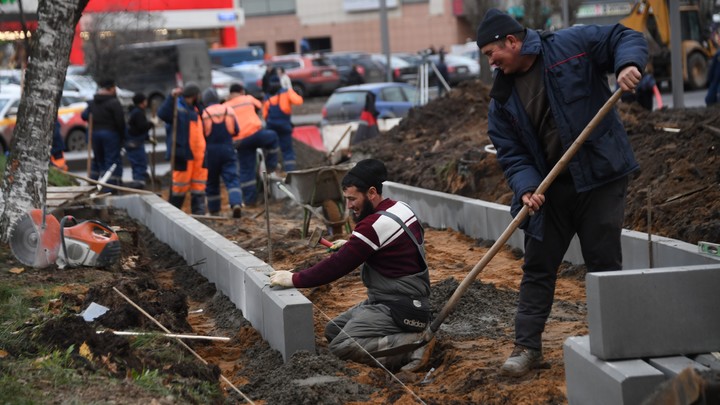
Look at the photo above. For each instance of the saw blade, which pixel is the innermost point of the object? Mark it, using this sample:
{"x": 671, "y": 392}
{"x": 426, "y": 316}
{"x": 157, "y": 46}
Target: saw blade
{"x": 24, "y": 241}
{"x": 35, "y": 245}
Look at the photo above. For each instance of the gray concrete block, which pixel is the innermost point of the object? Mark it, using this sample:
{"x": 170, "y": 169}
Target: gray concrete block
{"x": 256, "y": 283}
{"x": 674, "y": 365}
{"x": 708, "y": 360}
{"x": 288, "y": 321}
{"x": 208, "y": 267}
{"x": 653, "y": 313}
{"x": 237, "y": 286}
{"x": 591, "y": 381}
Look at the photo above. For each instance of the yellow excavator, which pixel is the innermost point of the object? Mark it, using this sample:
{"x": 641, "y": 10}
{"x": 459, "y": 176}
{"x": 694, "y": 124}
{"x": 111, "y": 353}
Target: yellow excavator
{"x": 652, "y": 18}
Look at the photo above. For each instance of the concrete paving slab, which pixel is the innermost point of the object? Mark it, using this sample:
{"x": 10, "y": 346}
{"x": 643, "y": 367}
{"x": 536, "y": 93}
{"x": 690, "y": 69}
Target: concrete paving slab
{"x": 653, "y": 313}
{"x": 674, "y": 365}
{"x": 591, "y": 381}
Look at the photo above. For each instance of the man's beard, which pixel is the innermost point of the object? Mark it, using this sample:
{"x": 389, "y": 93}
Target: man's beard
{"x": 367, "y": 209}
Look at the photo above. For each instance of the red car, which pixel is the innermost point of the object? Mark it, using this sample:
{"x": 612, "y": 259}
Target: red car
{"x": 310, "y": 74}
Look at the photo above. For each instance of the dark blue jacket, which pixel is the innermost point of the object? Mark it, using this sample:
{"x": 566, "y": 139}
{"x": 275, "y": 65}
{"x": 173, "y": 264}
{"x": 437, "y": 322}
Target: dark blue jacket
{"x": 576, "y": 63}
{"x": 185, "y": 114}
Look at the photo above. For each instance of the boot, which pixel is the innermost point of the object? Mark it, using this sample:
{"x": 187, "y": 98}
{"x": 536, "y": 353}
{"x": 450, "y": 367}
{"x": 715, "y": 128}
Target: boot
{"x": 521, "y": 361}
{"x": 177, "y": 200}
{"x": 197, "y": 204}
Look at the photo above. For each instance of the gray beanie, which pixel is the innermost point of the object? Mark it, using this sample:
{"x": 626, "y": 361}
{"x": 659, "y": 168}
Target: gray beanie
{"x": 210, "y": 96}
{"x": 496, "y": 25}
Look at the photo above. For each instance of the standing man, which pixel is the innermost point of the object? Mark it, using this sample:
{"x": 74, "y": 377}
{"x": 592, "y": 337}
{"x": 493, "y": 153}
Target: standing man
{"x": 138, "y": 127}
{"x": 277, "y": 111}
{"x": 548, "y": 87}
{"x": 219, "y": 127}
{"x": 188, "y": 171}
{"x": 388, "y": 243}
{"x": 108, "y": 131}
{"x": 443, "y": 70}
{"x": 252, "y": 135}
{"x": 713, "y": 80}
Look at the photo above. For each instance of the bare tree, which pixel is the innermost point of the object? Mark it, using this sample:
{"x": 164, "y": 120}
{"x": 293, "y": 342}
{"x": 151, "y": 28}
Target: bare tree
{"x": 24, "y": 184}
{"x": 105, "y": 32}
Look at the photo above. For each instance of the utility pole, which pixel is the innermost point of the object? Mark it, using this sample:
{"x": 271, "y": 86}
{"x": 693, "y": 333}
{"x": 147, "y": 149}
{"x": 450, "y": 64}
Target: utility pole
{"x": 385, "y": 38}
{"x": 676, "y": 54}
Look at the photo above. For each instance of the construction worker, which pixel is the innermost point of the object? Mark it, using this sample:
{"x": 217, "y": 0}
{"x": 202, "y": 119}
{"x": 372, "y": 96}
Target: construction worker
{"x": 108, "y": 131}
{"x": 252, "y": 135}
{"x": 277, "y": 110}
{"x": 388, "y": 242}
{"x": 57, "y": 154}
{"x": 188, "y": 171}
{"x": 219, "y": 127}
{"x": 548, "y": 87}
{"x": 138, "y": 132}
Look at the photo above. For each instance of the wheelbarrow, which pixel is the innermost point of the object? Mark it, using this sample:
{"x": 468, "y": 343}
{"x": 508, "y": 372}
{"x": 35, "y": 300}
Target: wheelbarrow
{"x": 319, "y": 189}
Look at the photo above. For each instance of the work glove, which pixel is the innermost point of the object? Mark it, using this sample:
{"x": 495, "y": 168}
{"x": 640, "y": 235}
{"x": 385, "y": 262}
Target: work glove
{"x": 155, "y": 121}
{"x": 281, "y": 278}
{"x": 153, "y": 141}
{"x": 337, "y": 245}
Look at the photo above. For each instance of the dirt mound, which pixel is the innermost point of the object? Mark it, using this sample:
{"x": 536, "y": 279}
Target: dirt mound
{"x": 442, "y": 146}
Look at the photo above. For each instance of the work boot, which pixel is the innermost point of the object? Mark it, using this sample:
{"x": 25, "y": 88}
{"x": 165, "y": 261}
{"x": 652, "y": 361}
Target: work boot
{"x": 236, "y": 211}
{"x": 521, "y": 361}
{"x": 420, "y": 357}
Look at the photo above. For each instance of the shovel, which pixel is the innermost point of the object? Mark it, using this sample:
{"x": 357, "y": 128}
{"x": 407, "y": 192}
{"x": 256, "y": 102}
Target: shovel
{"x": 500, "y": 242}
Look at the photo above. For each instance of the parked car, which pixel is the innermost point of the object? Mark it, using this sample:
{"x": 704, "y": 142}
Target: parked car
{"x": 310, "y": 74}
{"x": 86, "y": 87}
{"x": 221, "y": 82}
{"x": 233, "y": 56}
{"x": 402, "y": 71}
{"x": 392, "y": 100}
{"x": 459, "y": 67}
{"x": 371, "y": 71}
{"x": 250, "y": 76}
{"x": 72, "y": 126}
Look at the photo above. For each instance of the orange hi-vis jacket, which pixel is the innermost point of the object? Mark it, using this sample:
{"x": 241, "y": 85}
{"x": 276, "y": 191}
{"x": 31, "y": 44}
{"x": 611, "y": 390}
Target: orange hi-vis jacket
{"x": 285, "y": 100}
{"x": 218, "y": 113}
{"x": 246, "y": 108}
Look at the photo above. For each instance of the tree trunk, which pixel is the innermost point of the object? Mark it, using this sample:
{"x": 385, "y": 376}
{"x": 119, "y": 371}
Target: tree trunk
{"x": 24, "y": 184}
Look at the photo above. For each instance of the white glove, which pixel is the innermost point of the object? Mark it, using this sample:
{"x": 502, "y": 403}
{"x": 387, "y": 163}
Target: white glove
{"x": 337, "y": 245}
{"x": 155, "y": 120}
{"x": 281, "y": 278}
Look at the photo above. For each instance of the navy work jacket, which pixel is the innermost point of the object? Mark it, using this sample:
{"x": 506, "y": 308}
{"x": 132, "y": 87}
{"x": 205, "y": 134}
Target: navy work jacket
{"x": 576, "y": 63}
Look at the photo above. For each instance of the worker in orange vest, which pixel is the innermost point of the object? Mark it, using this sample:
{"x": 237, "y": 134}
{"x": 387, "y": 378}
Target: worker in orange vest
{"x": 188, "y": 171}
{"x": 277, "y": 110}
{"x": 219, "y": 127}
{"x": 57, "y": 154}
{"x": 252, "y": 135}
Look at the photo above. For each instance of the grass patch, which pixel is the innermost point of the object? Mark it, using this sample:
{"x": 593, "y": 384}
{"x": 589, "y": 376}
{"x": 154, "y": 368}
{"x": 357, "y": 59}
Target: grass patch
{"x": 56, "y": 177}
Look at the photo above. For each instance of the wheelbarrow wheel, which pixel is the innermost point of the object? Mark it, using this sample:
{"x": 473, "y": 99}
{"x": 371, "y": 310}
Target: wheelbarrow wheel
{"x": 331, "y": 212}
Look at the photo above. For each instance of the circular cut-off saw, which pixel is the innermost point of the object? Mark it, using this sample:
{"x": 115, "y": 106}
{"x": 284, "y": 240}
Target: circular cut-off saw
{"x": 39, "y": 240}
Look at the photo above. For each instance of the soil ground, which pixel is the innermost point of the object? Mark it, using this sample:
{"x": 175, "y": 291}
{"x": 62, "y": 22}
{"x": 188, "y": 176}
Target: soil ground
{"x": 439, "y": 146}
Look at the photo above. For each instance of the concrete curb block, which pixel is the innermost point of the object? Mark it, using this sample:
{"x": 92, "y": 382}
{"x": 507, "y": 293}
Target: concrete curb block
{"x": 481, "y": 219}
{"x": 653, "y": 312}
{"x": 283, "y": 317}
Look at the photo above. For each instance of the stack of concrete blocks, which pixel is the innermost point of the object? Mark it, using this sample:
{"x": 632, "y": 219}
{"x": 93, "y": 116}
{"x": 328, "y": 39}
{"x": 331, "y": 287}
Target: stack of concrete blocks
{"x": 283, "y": 317}
{"x": 642, "y": 322}
{"x": 646, "y": 326}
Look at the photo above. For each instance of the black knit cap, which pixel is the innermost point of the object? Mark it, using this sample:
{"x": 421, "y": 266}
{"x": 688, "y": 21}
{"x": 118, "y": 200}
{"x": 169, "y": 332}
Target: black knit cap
{"x": 106, "y": 83}
{"x": 191, "y": 89}
{"x": 496, "y": 25}
{"x": 368, "y": 173}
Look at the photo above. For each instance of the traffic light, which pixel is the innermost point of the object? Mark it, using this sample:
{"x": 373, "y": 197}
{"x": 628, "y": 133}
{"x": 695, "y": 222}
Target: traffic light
{"x": 7, "y": 1}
